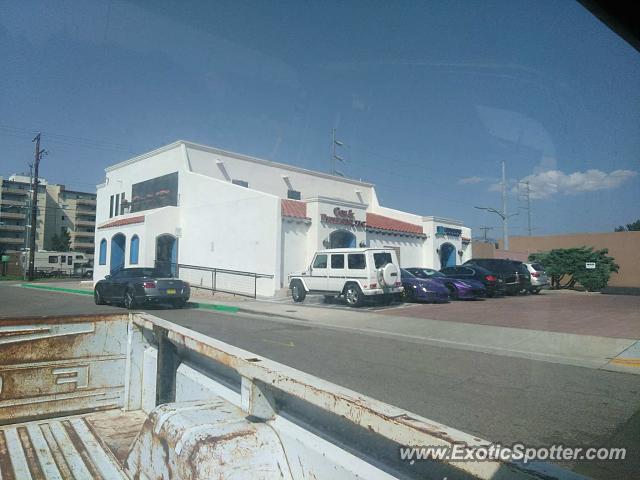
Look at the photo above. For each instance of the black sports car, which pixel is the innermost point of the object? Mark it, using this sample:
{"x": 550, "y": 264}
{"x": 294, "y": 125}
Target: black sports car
{"x": 133, "y": 287}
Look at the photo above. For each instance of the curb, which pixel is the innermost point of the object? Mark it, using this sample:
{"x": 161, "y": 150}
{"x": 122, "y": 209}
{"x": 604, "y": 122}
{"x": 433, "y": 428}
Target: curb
{"x": 215, "y": 306}
{"x": 203, "y": 306}
{"x": 56, "y": 289}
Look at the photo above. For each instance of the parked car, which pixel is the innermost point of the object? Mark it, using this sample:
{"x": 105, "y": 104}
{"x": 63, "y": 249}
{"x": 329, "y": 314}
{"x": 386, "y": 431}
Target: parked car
{"x": 524, "y": 277}
{"x": 510, "y": 271}
{"x": 493, "y": 284}
{"x": 458, "y": 289}
{"x": 539, "y": 279}
{"x": 132, "y": 287}
{"x": 422, "y": 289}
{"x": 352, "y": 273}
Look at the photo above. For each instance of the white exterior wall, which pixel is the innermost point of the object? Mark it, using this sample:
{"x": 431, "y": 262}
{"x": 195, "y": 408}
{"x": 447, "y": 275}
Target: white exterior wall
{"x": 321, "y": 231}
{"x": 411, "y": 248}
{"x": 229, "y": 227}
{"x": 434, "y": 241}
{"x": 294, "y": 251}
{"x": 268, "y": 177}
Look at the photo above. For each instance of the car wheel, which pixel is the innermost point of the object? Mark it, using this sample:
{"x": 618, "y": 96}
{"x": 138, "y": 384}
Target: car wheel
{"x": 129, "y": 300}
{"x": 353, "y": 295}
{"x": 453, "y": 291}
{"x": 407, "y": 295}
{"x": 97, "y": 297}
{"x": 298, "y": 292}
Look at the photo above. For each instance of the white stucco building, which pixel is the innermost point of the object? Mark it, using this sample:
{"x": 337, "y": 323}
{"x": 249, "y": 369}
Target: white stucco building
{"x": 195, "y": 205}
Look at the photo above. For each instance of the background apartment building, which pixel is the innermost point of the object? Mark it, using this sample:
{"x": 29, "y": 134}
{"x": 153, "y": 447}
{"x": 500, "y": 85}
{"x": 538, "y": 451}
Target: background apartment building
{"x": 59, "y": 209}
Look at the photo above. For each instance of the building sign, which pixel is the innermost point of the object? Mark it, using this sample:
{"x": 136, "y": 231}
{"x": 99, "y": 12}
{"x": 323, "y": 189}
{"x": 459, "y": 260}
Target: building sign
{"x": 155, "y": 193}
{"x": 590, "y": 265}
{"x": 342, "y": 217}
{"x": 450, "y": 232}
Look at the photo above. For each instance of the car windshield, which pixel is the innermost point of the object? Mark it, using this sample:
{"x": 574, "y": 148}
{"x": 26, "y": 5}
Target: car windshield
{"x": 406, "y": 274}
{"x": 432, "y": 273}
{"x": 538, "y": 267}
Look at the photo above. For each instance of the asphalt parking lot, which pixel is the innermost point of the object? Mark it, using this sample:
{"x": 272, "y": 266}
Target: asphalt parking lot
{"x": 582, "y": 313}
{"x": 562, "y": 311}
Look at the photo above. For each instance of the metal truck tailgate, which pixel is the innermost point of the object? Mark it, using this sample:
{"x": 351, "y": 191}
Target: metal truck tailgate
{"x": 59, "y": 448}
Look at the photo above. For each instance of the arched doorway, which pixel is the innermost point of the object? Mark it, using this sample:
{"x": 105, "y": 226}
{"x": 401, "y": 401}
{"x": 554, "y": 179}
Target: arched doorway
{"x": 447, "y": 255}
{"x": 118, "y": 242}
{"x": 342, "y": 239}
{"x": 167, "y": 253}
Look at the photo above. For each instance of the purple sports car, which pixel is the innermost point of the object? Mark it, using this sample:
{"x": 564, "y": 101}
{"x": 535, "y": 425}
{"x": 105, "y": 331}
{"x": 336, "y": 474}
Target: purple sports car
{"x": 419, "y": 289}
{"x": 458, "y": 289}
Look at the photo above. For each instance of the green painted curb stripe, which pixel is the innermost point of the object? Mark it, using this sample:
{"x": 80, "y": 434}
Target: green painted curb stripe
{"x": 57, "y": 289}
{"x": 213, "y": 306}
{"x": 204, "y": 306}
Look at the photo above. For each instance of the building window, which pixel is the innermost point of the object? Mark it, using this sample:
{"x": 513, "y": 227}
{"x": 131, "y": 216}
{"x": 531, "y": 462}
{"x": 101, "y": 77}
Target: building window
{"x": 70, "y": 260}
{"x": 293, "y": 194}
{"x": 155, "y": 193}
{"x": 133, "y": 250}
{"x": 117, "y": 205}
{"x": 240, "y": 183}
{"x": 337, "y": 261}
{"x": 103, "y": 252}
{"x": 122, "y": 203}
{"x": 356, "y": 261}
{"x": 53, "y": 259}
{"x": 111, "y": 206}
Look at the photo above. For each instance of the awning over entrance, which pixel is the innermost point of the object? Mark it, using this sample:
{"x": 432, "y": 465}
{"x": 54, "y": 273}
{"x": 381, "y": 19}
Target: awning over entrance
{"x": 380, "y": 222}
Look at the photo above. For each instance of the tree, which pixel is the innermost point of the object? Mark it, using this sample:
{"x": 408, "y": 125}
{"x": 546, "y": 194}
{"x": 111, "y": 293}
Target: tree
{"x": 631, "y": 227}
{"x": 62, "y": 242}
{"x": 567, "y": 266}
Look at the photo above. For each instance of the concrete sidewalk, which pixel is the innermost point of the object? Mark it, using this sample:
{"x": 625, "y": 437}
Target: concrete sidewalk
{"x": 617, "y": 354}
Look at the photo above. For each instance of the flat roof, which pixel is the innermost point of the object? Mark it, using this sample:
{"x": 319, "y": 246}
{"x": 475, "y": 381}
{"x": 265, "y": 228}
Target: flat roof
{"x": 239, "y": 156}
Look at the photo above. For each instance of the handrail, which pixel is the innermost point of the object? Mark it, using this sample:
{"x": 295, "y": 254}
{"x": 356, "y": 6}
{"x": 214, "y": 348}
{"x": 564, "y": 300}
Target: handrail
{"x": 223, "y": 270}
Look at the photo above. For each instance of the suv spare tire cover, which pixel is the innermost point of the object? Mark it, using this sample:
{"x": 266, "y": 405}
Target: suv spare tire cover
{"x": 389, "y": 275}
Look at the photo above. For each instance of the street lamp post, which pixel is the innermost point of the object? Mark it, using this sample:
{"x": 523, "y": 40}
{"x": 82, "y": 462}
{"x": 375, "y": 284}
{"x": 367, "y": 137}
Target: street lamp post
{"x": 505, "y": 229}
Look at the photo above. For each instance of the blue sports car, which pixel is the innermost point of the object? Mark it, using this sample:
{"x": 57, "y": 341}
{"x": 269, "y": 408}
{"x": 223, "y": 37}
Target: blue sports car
{"x": 458, "y": 289}
{"x": 422, "y": 289}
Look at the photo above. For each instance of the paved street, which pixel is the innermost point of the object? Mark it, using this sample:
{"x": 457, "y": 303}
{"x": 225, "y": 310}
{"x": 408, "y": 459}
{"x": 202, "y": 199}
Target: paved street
{"x": 497, "y": 397}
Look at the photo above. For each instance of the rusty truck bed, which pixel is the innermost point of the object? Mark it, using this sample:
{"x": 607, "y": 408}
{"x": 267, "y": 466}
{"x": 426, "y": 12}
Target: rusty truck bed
{"x": 92, "y": 446}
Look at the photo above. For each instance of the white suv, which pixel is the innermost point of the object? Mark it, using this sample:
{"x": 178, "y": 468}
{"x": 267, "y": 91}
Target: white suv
{"x": 354, "y": 273}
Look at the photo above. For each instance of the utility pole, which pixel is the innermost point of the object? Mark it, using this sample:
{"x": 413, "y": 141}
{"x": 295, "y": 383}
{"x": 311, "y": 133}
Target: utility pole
{"x": 527, "y": 197}
{"x": 529, "y": 229}
{"x": 484, "y": 233}
{"x": 505, "y": 228}
{"x": 503, "y": 214}
{"x": 34, "y": 206}
{"x": 334, "y": 156}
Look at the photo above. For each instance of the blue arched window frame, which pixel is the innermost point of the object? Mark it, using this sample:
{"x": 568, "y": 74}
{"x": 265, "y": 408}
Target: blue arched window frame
{"x": 134, "y": 249}
{"x": 102, "y": 259}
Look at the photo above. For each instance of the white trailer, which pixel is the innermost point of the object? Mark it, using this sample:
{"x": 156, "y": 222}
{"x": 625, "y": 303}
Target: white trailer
{"x": 49, "y": 262}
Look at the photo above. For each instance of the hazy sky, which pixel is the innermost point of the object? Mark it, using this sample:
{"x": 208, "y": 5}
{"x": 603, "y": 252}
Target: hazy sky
{"x": 428, "y": 97}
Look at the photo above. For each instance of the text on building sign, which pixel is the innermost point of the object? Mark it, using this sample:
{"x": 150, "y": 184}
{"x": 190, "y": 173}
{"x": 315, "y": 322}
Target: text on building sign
{"x": 342, "y": 217}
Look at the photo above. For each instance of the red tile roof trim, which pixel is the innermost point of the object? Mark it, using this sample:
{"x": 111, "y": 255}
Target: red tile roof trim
{"x": 123, "y": 221}
{"x": 380, "y": 222}
{"x": 294, "y": 209}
